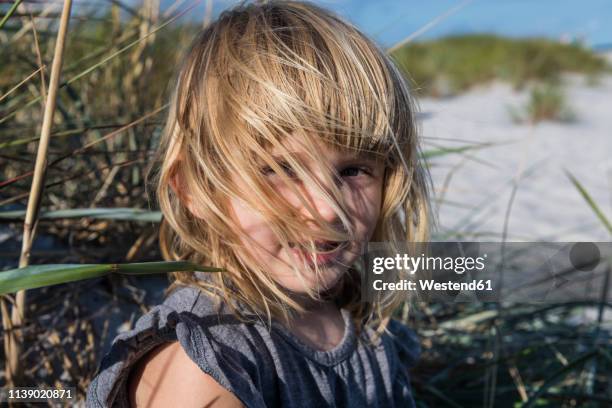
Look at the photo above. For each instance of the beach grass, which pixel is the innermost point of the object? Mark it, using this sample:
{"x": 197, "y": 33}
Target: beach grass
{"x": 546, "y": 101}
{"x": 451, "y": 65}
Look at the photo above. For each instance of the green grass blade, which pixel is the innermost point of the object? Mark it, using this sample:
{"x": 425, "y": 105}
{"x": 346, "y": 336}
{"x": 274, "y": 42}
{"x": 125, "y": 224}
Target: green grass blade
{"x": 36, "y": 276}
{"x": 443, "y": 151}
{"x": 146, "y": 268}
{"x": 18, "y": 142}
{"x": 27, "y": 140}
{"x": 124, "y": 214}
{"x": 602, "y": 217}
{"x": 9, "y": 13}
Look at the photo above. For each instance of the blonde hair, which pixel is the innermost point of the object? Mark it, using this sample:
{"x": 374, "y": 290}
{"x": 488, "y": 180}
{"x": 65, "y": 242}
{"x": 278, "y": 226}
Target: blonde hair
{"x": 257, "y": 74}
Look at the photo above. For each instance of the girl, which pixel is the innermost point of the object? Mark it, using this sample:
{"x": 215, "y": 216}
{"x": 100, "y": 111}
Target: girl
{"x": 290, "y": 144}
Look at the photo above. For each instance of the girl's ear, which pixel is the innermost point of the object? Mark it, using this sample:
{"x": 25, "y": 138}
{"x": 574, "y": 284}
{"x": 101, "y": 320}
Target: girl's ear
{"x": 180, "y": 189}
{"x": 176, "y": 185}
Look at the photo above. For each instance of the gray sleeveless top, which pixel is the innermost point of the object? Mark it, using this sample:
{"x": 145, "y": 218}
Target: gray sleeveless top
{"x": 261, "y": 367}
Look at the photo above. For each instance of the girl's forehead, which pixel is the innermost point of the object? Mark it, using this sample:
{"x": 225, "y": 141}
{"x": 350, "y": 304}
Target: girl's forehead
{"x": 312, "y": 148}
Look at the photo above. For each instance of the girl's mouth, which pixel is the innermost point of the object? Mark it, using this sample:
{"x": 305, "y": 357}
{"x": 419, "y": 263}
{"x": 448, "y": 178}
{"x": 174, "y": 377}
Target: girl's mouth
{"x": 327, "y": 252}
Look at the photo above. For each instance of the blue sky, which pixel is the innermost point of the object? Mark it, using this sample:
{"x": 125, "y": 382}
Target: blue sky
{"x": 389, "y": 21}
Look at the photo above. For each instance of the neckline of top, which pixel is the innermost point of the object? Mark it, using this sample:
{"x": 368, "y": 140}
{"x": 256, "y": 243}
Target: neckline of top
{"x": 333, "y": 356}
{"x": 328, "y": 358}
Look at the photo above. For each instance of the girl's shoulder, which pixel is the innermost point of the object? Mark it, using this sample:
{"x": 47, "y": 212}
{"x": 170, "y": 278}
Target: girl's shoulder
{"x": 398, "y": 343}
{"x": 221, "y": 345}
{"x": 405, "y": 342}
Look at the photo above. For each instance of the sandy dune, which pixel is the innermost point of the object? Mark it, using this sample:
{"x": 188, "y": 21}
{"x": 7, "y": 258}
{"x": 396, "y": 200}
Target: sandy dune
{"x": 546, "y": 205}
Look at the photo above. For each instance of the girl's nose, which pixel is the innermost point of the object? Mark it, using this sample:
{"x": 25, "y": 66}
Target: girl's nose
{"x": 321, "y": 205}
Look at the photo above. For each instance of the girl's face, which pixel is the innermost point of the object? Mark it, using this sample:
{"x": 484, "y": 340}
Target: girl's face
{"x": 361, "y": 186}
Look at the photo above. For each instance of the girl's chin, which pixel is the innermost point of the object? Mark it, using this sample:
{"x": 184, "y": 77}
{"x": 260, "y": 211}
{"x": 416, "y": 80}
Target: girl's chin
{"x": 331, "y": 277}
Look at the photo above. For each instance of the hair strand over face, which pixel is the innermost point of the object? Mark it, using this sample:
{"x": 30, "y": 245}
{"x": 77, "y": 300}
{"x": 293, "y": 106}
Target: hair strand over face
{"x": 259, "y": 74}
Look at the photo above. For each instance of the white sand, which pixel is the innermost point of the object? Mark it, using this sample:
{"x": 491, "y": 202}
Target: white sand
{"x": 546, "y": 206}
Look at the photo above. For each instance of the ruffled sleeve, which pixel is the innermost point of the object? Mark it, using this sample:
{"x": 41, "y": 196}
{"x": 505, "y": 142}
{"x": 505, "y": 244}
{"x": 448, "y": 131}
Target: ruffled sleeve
{"x": 171, "y": 321}
{"x": 408, "y": 351}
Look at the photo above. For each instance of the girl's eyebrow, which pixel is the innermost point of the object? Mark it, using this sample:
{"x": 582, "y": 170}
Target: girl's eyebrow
{"x": 361, "y": 155}
{"x": 366, "y": 155}
{"x": 279, "y": 157}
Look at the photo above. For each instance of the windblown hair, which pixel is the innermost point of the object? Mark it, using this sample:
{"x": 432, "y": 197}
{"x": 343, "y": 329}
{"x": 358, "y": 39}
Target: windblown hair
{"x": 259, "y": 74}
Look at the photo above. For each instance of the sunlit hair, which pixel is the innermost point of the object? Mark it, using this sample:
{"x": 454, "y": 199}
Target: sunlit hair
{"x": 259, "y": 74}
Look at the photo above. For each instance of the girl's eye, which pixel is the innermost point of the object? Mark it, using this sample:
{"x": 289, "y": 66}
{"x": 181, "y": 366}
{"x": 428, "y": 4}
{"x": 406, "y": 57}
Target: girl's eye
{"x": 350, "y": 171}
{"x": 286, "y": 167}
{"x": 353, "y": 171}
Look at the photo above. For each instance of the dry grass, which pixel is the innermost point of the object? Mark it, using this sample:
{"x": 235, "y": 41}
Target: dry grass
{"x": 547, "y": 102}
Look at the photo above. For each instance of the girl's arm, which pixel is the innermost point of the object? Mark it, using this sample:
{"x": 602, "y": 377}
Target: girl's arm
{"x": 166, "y": 376}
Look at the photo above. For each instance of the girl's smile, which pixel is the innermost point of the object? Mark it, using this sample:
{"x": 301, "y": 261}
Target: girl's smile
{"x": 330, "y": 252}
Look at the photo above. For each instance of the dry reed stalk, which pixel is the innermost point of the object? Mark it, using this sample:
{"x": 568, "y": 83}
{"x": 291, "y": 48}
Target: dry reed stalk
{"x": 39, "y": 60}
{"x": 431, "y": 24}
{"x": 149, "y": 15}
{"x": 26, "y": 79}
{"x": 208, "y": 13}
{"x": 141, "y": 65}
{"x": 7, "y": 328}
{"x": 14, "y": 369}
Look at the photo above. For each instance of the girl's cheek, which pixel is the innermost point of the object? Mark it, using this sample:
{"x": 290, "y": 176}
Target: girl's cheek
{"x": 365, "y": 200}
{"x": 250, "y": 221}
{"x": 365, "y": 206}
